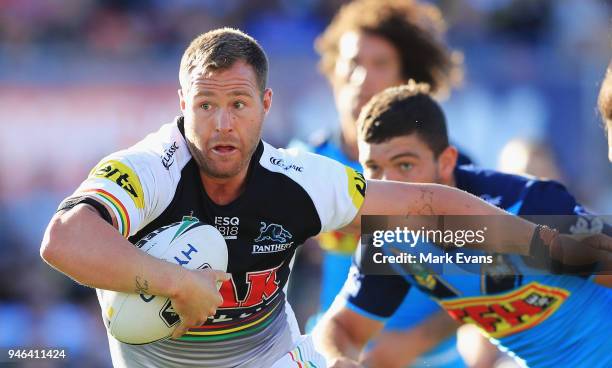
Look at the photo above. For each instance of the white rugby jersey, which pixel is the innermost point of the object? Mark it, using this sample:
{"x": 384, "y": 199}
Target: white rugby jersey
{"x": 289, "y": 196}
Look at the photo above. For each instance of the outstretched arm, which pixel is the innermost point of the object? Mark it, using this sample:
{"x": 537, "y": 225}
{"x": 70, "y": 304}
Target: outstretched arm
{"x": 80, "y": 244}
{"x": 513, "y": 235}
{"x": 404, "y": 199}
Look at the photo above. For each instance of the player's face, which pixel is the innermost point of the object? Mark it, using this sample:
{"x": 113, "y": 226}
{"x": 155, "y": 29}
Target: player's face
{"x": 407, "y": 158}
{"x": 224, "y": 112}
{"x": 366, "y": 65}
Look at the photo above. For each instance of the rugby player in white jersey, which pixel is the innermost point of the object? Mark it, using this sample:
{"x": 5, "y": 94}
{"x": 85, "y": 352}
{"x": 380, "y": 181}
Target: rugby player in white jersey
{"x": 211, "y": 163}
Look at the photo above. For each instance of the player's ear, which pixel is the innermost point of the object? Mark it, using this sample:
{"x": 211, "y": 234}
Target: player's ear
{"x": 181, "y": 100}
{"x": 447, "y": 162}
{"x": 267, "y": 100}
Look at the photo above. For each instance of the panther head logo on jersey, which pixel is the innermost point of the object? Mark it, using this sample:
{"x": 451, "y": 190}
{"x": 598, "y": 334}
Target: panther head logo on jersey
{"x": 273, "y": 232}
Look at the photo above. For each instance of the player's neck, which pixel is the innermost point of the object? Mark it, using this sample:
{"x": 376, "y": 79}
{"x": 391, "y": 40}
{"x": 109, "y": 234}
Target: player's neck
{"x": 450, "y": 182}
{"x": 223, "y": 191}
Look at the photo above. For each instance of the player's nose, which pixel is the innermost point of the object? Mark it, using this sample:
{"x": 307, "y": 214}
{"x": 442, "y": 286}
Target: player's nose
{"x": 223, "y": 120}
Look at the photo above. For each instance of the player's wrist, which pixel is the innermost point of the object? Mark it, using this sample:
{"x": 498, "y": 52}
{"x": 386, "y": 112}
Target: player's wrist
{"x": 541, "y": 241}
{"x": 172, "y": 276}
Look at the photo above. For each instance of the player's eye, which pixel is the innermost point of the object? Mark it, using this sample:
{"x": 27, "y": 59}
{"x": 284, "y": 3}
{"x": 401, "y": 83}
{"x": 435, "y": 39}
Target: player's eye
{"x": 206, "y": 106}
{"x": 405, "y": 166}
{"x": 239, "y": 105}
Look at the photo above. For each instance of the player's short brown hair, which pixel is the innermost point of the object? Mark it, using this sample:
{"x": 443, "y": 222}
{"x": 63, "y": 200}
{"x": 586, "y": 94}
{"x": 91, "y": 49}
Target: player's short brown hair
{"x": 404, "y": 110}
{"x": 415, "y": 29}
{"x": 220, "y": 49}
{"x": 604, "y": 101}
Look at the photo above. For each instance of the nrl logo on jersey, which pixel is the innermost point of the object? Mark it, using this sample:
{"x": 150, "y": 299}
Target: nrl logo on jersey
{"x": 273, "y": 233}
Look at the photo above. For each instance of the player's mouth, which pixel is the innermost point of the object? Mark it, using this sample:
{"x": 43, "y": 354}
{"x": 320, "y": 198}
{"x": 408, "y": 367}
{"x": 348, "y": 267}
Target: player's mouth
{"x": 224, "y": 149}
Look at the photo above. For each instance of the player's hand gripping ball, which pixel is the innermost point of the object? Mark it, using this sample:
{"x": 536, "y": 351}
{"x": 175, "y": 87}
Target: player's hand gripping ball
{"x": 143, "y": 319}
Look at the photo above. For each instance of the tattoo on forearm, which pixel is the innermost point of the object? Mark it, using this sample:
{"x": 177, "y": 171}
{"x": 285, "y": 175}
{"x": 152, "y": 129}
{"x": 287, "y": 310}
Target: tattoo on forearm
{"x": 142, "y": 285}
{"x": 426, "y": 203}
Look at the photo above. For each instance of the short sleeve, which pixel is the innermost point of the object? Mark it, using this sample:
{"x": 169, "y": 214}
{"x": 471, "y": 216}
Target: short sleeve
{"x": 133, "y": 186}
{"x": 548, "y": 198}
{"x": 349, "y": 187}
{"x": 336, "y": 190}
{"x": 376, "y": 296}
{"x": 373, "y": 296}
{"x": 124, "y": 188}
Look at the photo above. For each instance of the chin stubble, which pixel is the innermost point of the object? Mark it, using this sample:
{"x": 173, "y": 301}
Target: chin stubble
{"x": 210, "y": 171}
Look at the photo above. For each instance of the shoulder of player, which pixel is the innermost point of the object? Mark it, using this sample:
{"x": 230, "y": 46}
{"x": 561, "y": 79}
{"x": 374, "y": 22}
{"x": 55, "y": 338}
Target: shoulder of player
{"x": 293, "y": 160}
{"x": 500, "y": 189}
{"x": 163, "y": 153}
{"x": 484, "y": 181}
{"x": 536, "y": 195}
{"x": 548, "y": 197}
{"x": 336, "y": 190}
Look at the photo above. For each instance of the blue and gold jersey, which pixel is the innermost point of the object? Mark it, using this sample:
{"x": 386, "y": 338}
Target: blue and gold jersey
{"x": 544, "y": 319}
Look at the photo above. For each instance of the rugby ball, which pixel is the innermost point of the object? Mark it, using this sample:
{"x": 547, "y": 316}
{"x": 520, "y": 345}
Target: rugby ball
{"x": 142, "y": 319}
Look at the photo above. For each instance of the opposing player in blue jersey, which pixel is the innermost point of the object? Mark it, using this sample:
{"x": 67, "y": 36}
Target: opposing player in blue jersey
{"x": 361, "y": 56}
{"x": 546, "y": 320}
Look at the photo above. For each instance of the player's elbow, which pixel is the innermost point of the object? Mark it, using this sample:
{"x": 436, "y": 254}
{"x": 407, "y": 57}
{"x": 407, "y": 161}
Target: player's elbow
{"x": 385, "y": 357}
{"x": 328, "y": 334}
{"x": 320, "y": 332}
{"x": 338, "y": 329}
{"x": 51, "y": 246}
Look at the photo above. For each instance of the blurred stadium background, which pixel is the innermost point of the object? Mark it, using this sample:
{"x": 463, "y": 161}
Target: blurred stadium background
{"x": 82, "y": 78}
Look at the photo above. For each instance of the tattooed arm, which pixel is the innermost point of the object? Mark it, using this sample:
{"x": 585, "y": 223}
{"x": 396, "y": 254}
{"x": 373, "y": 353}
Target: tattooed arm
{"x": 79, "y": 243}
{"x": 411, "y": 200}
{"x": 83, "y": 246}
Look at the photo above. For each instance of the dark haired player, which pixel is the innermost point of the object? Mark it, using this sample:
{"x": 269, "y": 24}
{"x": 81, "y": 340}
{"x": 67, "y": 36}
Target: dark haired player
{"x": 544, "y": 320}
{"x": 371, "y": 45}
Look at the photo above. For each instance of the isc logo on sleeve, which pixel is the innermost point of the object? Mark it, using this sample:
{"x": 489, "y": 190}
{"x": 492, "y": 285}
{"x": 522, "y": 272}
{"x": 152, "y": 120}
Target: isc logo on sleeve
{"x": 356, "y": 186}
{"x": 123, "y": 176}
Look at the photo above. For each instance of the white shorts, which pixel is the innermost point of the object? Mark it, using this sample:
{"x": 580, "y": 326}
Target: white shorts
{"x": 303, "y": 355}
